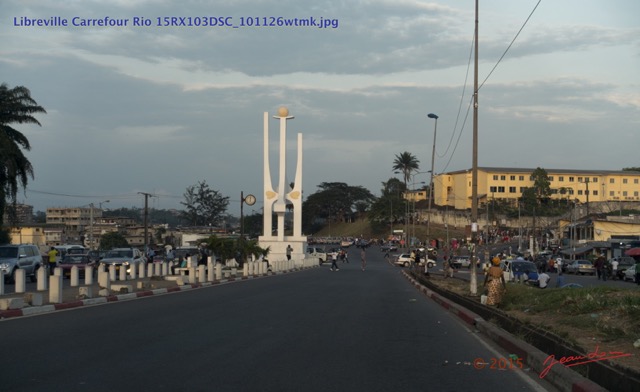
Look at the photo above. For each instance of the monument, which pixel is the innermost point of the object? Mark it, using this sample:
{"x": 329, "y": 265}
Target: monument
{"x": 276, "y": 200}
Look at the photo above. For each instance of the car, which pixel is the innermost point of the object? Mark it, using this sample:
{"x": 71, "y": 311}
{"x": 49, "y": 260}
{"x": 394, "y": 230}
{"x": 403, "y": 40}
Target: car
{"x": 388, "y": 248}
{"x": 346, "y": 243}
{"x": 630, "y": 273}
{"x": 516, "y": 267}
{"x": 317, "y": 253}
{"x": 624, "y": 263}
{"x": 333, "y": 252}
{"x": 20, "y": 256}
{"x": 123, "y": 257}
{"x": 405, "y": 260}
{"x": 462, "y": 261}
{"x": 581, "y": 267}
{"x": 96, "y": 255}
{"x": 82, "y": 261}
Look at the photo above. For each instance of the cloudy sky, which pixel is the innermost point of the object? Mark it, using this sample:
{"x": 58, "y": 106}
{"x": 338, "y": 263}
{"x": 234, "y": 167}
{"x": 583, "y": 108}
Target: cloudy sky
{"x": 158, "y": 108}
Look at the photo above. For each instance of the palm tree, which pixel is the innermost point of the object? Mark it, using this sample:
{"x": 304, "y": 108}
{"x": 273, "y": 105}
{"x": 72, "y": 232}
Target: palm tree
{"x": 406, "y": 163}
{"x": 16, "y": 106}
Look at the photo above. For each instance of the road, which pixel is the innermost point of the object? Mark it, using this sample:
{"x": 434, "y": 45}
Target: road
{"x": 313, "y": 330}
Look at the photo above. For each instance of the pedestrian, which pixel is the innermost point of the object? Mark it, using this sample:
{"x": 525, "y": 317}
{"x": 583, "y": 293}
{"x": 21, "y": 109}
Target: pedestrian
{"x": 559, "y": 265}
{"x": 334, "y": 261}
{"x": 600, "y": 268}
{"x": 494, "y": 283}
{"x": 543, "y": 280}
{"x": 363, "y": 258}
{"x": 614, "y": 268}
{"x": 53, "y": 254}
{"x": 202, "y": 260}
{"x": 560, "y": 279}
{"x": 170, "y": 256}
{"x": 289, "y": 250}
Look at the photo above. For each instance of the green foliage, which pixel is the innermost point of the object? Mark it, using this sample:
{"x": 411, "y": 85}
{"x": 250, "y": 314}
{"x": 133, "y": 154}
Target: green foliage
{"x": 239, "y": 249}
{"x": 406, "y": 163}
{"x": 113, "y": 240}
{"x": 203, "y": 206}
{"x": 335, "y": 201}
{"x": 16, "y": 106}
{"x": 389, "y": 208}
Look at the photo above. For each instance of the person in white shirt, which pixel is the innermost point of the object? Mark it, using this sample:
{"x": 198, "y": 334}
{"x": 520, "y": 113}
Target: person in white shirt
{"x": 543, "y": 280}
{"x": 614, "y": 268}
{"x": 559, "y": 265}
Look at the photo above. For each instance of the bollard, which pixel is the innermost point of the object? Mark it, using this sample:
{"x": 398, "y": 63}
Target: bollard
{"x": 20, "y": 276}
{"x": 133, "y": 272}
{"x": 165, "y": 269}
{"x": 122, "y": 273}
{"x": 112, "y": 273}
{"x": 245, "y": 270}
{"x": 149, "y": 270}
{"x": 202, "y": 277}
{"x": 218, "y": 272}
{"x": 141, "y": 269}
{"x": 157, "y": 269}
{"x": 210, "y": 271}
{"x": 75, "y": 274}
{"x": 55, "y": 289}
{"x": 42, "y": 279}
{"x": 103, "y": 279}
{"x": 192, "y": 275}
{"x": 88, "y": 275}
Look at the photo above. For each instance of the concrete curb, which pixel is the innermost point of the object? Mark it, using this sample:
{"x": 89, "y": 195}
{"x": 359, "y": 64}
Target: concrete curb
{"x": 559, "y": 376}
{"x": 37, "y": 310}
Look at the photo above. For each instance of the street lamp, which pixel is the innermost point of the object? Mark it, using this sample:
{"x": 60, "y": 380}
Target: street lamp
{"x": 248, "y": 200}
{"x": 433, "y": 156}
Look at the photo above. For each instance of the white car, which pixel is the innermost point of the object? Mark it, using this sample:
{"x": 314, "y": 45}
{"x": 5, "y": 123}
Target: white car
{"x": 317, "y": 253}
{"x": 405, "y": 260}
{"x": 630, "y": 273}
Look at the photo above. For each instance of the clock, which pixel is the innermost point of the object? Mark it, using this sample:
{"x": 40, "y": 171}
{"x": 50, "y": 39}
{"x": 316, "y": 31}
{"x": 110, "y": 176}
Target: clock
{"x": 250, "y": 200}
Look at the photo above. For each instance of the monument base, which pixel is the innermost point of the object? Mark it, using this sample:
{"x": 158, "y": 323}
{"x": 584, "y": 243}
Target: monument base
{"x": 278, "y": 249}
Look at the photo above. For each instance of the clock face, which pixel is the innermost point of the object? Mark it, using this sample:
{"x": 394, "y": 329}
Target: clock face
{"x": 250, "y": 200}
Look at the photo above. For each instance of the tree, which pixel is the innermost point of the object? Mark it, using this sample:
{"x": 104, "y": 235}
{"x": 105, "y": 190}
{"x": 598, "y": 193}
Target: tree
{"x": 239, "y": 249}
{"x": 16, "y": 106}
{"x": 335, "y": 201}
{"x": 113, "y": 240}
{"x": 387, "y": 208}
{"x": 204, "y": 206}
{"x": 541, "y": 183}
{"x": 406, "y": 163}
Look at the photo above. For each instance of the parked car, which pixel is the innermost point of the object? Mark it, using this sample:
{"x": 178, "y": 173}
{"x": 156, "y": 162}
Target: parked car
{"x": 462, "y": 262}
{"x": 96, "y": 255}
{"x": 405, "y": 260}
{"x": 123, "y": 257}
{"x": 317, "y": 253}
{"x": 630, "y": 273}
{"x": 516, "y": 267}
{"x": 581, "y": 267}
{"x": 388, "y": 248}
{"x": 624, "y": 263}
{"x": 333, "y": 252}
{"x": 23, "y": 256}
{"x": 77, "y": 260}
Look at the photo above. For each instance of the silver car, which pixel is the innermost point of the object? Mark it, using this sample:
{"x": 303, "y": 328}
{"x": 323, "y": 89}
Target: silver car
{"x": 22, "y": 256}
{"x": 123, "y": 257}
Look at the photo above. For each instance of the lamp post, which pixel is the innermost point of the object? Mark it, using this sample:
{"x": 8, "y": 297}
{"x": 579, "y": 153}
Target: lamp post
{"x": 248, "y": 200}
{"x": 433, "y": 156}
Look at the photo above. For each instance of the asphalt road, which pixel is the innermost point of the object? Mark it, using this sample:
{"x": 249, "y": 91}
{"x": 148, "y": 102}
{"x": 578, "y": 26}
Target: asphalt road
{"x": 314, "y": 330}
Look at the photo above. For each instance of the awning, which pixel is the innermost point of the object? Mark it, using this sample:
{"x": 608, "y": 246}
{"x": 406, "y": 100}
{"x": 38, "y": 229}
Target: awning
{"x": 577, "y": 251}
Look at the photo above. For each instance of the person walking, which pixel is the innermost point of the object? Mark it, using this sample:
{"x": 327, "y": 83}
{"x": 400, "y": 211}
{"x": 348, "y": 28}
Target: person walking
{"x": 600, "y": 268}
{"x": 614, "y": 269}
{"x": 289, "y": 250}
{"x": 53, "y": 255}
{"x": 494, "y": 283}
{"x": 334, "y": 262}
{"x": 363, "y": 258}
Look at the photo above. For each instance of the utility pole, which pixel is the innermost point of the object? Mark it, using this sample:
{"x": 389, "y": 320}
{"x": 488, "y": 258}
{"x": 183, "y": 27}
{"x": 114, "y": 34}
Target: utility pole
{"x": 473, "y": 283}
{"x": 146, "y": 218}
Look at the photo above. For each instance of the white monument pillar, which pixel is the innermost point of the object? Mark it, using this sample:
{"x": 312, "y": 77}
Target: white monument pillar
{"x": 276, "y": 200}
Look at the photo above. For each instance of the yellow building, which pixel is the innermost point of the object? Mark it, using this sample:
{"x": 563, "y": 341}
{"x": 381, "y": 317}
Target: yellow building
{"x": 453, "y": 189}
{"x": 29, "y": 235}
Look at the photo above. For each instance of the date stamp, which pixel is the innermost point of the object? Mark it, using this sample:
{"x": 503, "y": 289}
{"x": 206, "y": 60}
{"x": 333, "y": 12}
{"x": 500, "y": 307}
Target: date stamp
{"x": 510, "y": 363}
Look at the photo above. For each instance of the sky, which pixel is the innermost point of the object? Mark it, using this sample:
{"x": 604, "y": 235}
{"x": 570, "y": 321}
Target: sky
{"x": 159, "y": 108}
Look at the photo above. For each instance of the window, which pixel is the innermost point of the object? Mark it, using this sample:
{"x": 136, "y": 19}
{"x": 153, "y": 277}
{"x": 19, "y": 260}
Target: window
{"x": 495, "y": 177}
{"x": 612, "y": 181}
{"x": 579, "y": 179}
{"x": 570, "y": 191}
{"x": 624, "y": 180}
{"x": 635, "y": 180}
{"x": 595, "y": 179}
{"x": 502, "y": 178}
{"x": 550, "y": 178}
{"x": 493, "y": 189}
{"x": 522, "y": 189}
{"x": 595, "y": 193}
{"x": 571, "y": 179}
{"x": 635, "y": 193}
{"x": 521, "y": 178}
{"x": 512, "y": 189}
{"x": 611, "y": 193}
{"x": 580, "y": 192}
{"x": 500, "y": 189}
{"x": 561, "y": 178}
{"x": 624, "y": 193}
{"x": 512, "y": 178}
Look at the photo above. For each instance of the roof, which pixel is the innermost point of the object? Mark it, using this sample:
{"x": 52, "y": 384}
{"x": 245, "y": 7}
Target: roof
{"x": 549, "y": 171}
{"x": 577, "y": 251}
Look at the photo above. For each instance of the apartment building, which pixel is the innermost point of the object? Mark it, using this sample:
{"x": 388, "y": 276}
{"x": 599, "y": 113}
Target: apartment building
{"x": 454, "y": 189}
